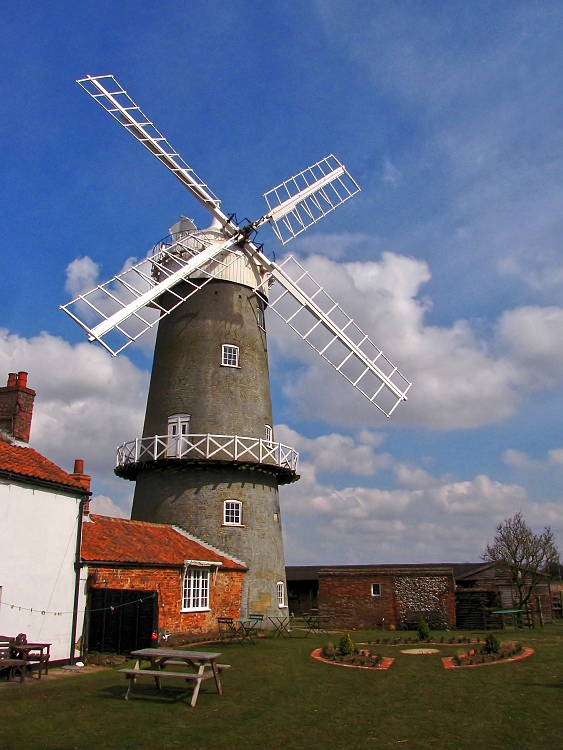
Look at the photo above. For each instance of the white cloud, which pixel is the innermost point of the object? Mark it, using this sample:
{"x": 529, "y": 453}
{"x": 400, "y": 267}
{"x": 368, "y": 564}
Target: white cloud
{"x": 87, "y": 402}
{"x": 104, "y": 506}
{"x": 460, "y": 380}
{"x": 81, "y": 276}
{"x": 390, "y": 172}
{"x": 428, "y": 519}
{"x": 522, "y": 460}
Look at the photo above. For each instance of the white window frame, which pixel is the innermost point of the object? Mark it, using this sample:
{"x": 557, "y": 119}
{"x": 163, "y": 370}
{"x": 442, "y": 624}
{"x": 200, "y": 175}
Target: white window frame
{"x": 178, "y": 428}
{"x": 376, "y": 589}
{"x": 280, "y": 586}
{"x": 269, "y": 432}
{"x": 232, "y": 508}
{"x": 230, "y": 355}
{"x": 261, "y": 315}
{"x": 195, "y": 590}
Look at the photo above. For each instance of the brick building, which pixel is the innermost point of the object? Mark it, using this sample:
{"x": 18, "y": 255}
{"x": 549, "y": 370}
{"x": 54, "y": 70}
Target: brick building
{"x": 145, "y": 577}
{"x": 373, "y": 596}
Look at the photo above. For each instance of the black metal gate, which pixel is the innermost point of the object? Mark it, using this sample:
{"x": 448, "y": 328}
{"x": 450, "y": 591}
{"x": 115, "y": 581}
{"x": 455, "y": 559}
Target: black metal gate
{"x": 121, "y": 620}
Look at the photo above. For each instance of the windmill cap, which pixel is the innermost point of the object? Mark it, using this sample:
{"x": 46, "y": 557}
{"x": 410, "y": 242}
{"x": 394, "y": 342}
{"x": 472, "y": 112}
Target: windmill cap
{"x": 183, "y": 226}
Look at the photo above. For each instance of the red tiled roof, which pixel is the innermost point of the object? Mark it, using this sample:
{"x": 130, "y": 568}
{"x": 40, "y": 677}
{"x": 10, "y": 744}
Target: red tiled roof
{"x": 118, "y": 540}
{"x": 26, "y": 462}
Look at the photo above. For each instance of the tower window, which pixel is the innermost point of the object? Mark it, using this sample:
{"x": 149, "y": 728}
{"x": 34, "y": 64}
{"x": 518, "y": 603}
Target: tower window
{"x": 195, "y": 589}
{"x": 230, "y": 356}
{"x": 269, "y": 434}
{"x": 232, "y": 513}
{"x": 376, "y": 589}
{"x": 281, "y": 594}
{"x": 261, "y": 317}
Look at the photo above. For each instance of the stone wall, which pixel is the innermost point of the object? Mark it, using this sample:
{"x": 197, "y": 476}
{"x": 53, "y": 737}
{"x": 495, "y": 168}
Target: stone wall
{"x": 428, "y": 597}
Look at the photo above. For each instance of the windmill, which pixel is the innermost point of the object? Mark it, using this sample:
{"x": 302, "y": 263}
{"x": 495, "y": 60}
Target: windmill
{"x": 208, "y": 460}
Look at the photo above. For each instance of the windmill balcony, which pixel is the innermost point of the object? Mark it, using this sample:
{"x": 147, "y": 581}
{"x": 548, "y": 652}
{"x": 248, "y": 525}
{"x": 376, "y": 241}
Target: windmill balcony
{"x": 206, "y": 448}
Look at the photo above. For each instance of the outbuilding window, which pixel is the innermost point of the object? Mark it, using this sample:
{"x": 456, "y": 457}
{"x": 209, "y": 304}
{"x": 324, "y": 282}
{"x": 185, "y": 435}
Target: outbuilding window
{"x": 230, "y": 355}
{"x": 376, "y": 589}
{"x": 195, "y": 590}
{"x": 232, "y": 513}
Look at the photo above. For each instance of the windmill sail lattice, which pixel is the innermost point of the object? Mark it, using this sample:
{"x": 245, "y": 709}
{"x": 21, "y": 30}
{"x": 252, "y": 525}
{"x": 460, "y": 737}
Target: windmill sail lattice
{"x": 118, "y": 312}
{"x": 128, "y": 305}
{"x": 298, "y": 203}
{"x": 320, "y": 321}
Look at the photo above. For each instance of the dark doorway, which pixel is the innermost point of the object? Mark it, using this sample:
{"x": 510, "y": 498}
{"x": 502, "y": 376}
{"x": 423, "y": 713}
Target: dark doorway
{"x": 120, "y": 620}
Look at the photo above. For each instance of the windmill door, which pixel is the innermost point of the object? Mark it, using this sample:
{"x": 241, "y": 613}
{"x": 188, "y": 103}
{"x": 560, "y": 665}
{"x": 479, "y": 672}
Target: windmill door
{"x": 121, "y": 620}
{"x": 178, "y": 431}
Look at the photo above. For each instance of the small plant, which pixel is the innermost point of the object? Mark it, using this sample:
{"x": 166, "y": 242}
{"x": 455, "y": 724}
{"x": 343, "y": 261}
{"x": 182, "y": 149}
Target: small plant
{"x": 492, "y": 644}
{"x": 423, "y": 630}
{"x": 329, "y": 651}
{"x": 346, "y": 645}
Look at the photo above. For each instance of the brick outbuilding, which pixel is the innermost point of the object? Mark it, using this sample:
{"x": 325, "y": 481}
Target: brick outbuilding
{"x": 389, "y": 596}
{"x": 190, "y": 582}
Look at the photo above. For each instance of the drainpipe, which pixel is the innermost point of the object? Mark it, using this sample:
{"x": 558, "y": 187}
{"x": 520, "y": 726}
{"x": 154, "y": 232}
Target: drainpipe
{"x": 77, "y": 567}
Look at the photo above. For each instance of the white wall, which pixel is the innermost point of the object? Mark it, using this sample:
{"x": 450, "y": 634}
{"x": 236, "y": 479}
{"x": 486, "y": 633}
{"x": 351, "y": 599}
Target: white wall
{"x": 38, "y": 529}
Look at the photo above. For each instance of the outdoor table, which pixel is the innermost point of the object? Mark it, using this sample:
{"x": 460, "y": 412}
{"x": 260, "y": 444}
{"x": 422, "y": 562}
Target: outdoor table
{"x": 203, "y": 662}
{"x": 32, "y": 652}
{"x": 313, "y": 623}
{"x": 281, "y": 626}
{"x": 511, "y": 612}
{"x": 247, "y": 629}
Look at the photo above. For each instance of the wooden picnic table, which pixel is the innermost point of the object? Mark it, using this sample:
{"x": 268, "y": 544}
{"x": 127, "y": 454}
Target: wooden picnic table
{"x": 204, "y": 664}
{"x": 31, "y": 653}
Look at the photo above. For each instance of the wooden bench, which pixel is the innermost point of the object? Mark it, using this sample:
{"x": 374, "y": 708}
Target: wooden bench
{"x": 13, "y": 666}
{"x": 136, "y": 671}
{"x": 174, "y": 663}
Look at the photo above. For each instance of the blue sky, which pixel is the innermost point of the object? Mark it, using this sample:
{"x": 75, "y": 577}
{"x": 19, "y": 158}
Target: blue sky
{"x": 449, "y": 116}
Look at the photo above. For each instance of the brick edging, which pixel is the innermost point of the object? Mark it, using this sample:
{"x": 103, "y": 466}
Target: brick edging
{"x": 386, "y": 662}
{"x": 448, "y": 661}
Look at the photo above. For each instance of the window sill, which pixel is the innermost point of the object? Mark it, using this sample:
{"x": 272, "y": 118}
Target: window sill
{"x": 233, "y": 367}
{"x": 235, "y": 525}
{"x": 199, "y": 609}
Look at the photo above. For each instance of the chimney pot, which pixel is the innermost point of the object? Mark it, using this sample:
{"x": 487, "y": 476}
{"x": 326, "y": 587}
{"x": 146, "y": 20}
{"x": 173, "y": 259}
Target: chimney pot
{"x": 11, "y": 379}
{"x": 22, "y": 380}
{"x": 78, "y": 466}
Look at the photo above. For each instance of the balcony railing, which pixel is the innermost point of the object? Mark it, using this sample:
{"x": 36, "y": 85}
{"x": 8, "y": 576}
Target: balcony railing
{"x": 207, "y": 447}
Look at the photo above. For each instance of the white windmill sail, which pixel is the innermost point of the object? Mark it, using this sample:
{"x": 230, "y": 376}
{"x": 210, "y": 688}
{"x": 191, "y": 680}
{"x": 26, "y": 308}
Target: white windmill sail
{"x": 134, "y": 300}
{"x": 307, "y": 197}
{"x": 320, "y": 321}
{"x": 130, "y": 303}
{"x": 115, "y": 100}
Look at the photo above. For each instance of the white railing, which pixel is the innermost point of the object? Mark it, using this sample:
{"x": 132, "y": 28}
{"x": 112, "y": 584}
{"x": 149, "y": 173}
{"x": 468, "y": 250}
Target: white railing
{"x": 210, "y": 447}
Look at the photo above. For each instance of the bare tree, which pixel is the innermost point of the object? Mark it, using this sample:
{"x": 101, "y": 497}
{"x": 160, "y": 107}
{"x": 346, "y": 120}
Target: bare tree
{"x": 524, "y": 556}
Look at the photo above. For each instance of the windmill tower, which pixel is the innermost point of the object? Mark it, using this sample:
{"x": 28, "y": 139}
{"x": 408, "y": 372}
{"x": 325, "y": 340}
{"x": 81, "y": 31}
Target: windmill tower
{"x": 208, "y": 459}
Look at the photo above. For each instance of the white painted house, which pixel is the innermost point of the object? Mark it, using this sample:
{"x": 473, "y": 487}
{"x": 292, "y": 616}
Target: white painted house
{"x": 41, "y": 507}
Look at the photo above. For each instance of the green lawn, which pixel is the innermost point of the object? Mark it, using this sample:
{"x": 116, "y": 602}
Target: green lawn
{"x": 275, "y": 696}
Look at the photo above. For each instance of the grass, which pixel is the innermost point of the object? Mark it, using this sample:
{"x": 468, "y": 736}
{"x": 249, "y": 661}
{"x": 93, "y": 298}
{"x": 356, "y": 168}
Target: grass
{"x": 276, "y": 697}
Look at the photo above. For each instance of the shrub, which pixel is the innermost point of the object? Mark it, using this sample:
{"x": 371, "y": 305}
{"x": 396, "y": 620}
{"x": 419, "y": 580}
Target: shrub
{"x": 329, "y": 650}
{"x": 423, "y": 630}
{"x": 492, "y": 644}
{"x": 346, "y": 645}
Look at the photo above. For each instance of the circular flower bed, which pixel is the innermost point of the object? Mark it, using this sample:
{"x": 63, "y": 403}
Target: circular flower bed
{"x": 346, "y": 654}
{"x": 491, "y": 652}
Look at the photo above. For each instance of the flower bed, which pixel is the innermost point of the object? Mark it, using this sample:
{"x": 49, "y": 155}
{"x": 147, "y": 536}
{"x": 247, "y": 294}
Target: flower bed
{"x": 379, "y": 662}
{"x": 346, "y": 654}
{"x": 491, "y": 652}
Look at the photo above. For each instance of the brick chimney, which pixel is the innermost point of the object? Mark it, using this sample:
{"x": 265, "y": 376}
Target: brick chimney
{"x": 16, "y": 407}
{"x": 83, "y": 478}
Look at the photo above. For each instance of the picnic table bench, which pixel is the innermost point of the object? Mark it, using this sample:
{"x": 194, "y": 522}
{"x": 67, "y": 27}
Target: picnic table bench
{"x": 202, "y": 661}
{"x": 16, "y": 655}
